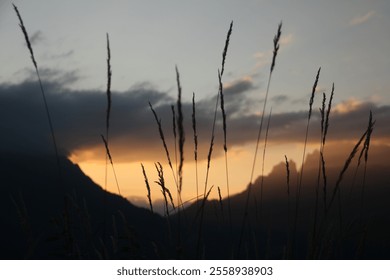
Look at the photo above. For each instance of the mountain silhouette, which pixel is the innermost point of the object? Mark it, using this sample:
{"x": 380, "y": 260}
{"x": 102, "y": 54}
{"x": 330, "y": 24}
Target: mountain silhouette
{"x": 357, "y": 224}
{"x": 44, "y": 215}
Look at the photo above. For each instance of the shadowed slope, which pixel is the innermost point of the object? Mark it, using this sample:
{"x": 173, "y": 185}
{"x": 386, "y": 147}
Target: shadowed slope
{"x": 42, "y": 216}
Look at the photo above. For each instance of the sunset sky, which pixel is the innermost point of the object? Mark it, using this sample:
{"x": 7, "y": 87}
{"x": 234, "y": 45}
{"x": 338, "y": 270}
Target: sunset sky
{"x": 349, "y": 39}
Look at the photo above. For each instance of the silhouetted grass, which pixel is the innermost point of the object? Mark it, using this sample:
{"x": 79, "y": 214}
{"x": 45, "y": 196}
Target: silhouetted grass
{"x": 111, "y": 161}
{"x": 147, "y": 188}
{"x": 275, "y": 53}
{"x": 299, "y": 187}
{"x": 162, "y": 137}
{"x": 323, "y": 229}
{"x": 195, "y": 145}
{"x": 29, "y": 46}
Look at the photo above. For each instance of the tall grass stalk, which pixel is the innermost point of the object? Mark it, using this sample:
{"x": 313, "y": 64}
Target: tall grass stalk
{"x": 225, "y": 146}
{"x": 220, "y": 202}
{"x": 325, "y": 113}
{"x": 205, "y": 192}
{"x": 111, "y": 162}
{"x": 344, "y": 169}
{"x": 162, "y": 137}
{"x": 195, "y": 145}
{"x": 299, "y": 187}
{"x": 326, "y": 127}
{"x": 224, "y": 53}
{"x": 366, "y": 147}
{"x": 201, "y": 224}
{"x": 29, "y": 46}
{"x": 288, "y": 253}
{"x": 108, "y": 110}
{"x": 149, "y": 195}
{"x": 275, "y": 53}
{"x": 320, "y": 161}
{"x": 174, "y": 134}
{"x": 180, "y": 126}
{"x": 165, "y": 191}
{"x": 263, "y": 163}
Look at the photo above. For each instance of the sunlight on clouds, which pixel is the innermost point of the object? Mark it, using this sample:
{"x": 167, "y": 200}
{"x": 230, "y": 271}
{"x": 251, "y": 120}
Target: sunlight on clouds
{"x": 287, "y": 39}
{"x": 348, "y": 105}
{"x": 262, "y": 59}
{"x": 361, "y": 19}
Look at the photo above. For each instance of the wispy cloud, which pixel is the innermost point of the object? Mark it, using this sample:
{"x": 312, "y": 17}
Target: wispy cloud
{"x": 263, "y": 59}
{"x": 361, "y": 18}
{"x": 286, "y": 40}
{"x": 36, "y": 37}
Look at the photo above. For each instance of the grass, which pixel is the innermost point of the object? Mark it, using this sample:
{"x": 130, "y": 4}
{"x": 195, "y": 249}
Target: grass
{"x": 48, "y": 114}
{"x": 275, "y": 53}
{"x": 323, "y": 226}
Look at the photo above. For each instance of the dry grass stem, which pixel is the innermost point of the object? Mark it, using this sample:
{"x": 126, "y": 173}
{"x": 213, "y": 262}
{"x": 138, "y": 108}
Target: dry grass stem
{"x": 28, "y": 43}
{"x": 174, "y": 133}
{"x": 225, "y": 144}
{"x": 165, "y": 191}
{"x": 327, "y": 115}
{"x": 276, "y": 46}
{"x": 111, "y": 161}
{"x": 299, "y": 187}
{"x": 345, "y": 168}
{"x": 162, "y": 137}
{"x": 195, "y": 144}
{"x": 287, "y": 174}
{"x": 220, "y": 200}
{"x": 109, "y": 75}
{"x": 226, "y": 47}
{"x": 224, "y": 53}
{"x": 180, "y": 120}
{"x": 366, "y": 147}
{"x": 263, "y": 163}
{"x": 108, "y": 109}
{"x": 149, "y": 195}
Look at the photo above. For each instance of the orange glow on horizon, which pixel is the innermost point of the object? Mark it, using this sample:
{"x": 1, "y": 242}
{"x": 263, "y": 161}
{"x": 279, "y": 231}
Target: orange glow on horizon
{"x": 240, "y": 159}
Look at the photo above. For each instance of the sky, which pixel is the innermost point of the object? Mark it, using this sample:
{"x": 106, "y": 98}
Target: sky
{"x": 348, "y": 39}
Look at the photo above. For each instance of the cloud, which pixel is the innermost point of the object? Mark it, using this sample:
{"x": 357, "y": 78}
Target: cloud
{"x": 262, "y": 59}
{"x": 361, "y": 19}
{"x": 240, "y": 86}
{"x": 286, "y": 40}
{"x": 279, "y": 99}
{"x": 62, "y": 55}
{"x": 79, "y": 119}
{"x": 36, "y": 37}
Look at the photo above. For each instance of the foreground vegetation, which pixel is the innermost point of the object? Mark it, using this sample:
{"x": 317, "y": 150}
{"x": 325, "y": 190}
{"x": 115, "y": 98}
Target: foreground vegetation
{"x": 238, "y": 223}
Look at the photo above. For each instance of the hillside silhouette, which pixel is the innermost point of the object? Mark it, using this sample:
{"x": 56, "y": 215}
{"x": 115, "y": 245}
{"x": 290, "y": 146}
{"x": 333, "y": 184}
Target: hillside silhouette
{"x": 44, "y": 216}
{"x": 47, "y": 216}
{"x": 269, "y": 227}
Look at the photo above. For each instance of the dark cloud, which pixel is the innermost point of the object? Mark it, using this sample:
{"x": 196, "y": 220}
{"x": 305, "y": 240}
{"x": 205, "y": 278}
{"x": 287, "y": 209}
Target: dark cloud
{"x": 279, "y": 99}
{"x": 238, "y": 87}
{"x": 79, "y": 119}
